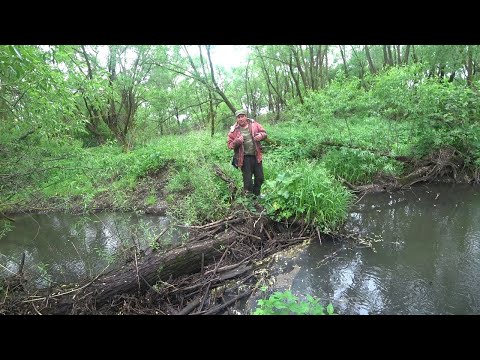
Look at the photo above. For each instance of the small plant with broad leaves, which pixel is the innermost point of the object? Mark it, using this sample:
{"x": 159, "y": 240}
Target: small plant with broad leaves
{"x": 285, "y": 303}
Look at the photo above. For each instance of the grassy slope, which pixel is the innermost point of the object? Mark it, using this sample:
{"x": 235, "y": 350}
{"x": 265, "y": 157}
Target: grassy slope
{"x": 301, "y": 172}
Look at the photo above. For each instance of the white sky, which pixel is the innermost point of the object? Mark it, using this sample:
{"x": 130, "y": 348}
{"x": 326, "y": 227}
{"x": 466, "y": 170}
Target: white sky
{"x": 230, "y": 55}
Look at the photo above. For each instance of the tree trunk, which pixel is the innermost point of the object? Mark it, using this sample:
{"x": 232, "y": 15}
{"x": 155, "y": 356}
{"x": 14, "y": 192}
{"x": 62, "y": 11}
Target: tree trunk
{"x": 311, "y": 73}
{"x": 414, "y": 54}
{"x": 297, "y": 85}
{"x": 299, "y": 66}
{"x": 469, "y": 66}
{"x": 157, "y": 266}
{"x": 217, "y": 88}
{"x": 326, "y": 78}
{"x": 179, "y": 261}
{"x": 407, "y": 53}
{"x": 371, "y": 65}
{"x": 361, "y": 63}
{"x": 385, "y": 56}
{"x": 390, "y": 56}
{"x": 342, "y": 52}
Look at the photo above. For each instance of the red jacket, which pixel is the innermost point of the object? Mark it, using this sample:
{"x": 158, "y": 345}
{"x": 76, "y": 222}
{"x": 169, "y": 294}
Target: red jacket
{"x": 255, "y": 129}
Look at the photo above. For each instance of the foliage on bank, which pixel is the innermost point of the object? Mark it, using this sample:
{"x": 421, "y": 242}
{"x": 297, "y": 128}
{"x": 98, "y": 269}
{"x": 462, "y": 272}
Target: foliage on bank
{"x": 352, "y": 130}
{"x": 285, "y": 303}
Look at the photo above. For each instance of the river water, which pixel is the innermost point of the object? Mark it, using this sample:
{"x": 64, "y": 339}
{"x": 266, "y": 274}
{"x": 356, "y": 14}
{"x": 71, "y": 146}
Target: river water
{"x": 419, "y": 252}
{"x": 64, "y": 248}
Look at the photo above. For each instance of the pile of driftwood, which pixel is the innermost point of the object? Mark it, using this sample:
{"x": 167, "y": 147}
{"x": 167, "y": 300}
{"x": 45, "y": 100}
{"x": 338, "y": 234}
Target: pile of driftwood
{"x": 446, "y": 164}
{"x": 205, "y": 275}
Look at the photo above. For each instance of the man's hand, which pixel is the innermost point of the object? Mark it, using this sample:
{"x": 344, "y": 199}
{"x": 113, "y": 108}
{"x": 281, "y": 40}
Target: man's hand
{"x": 258, "y": 137}
{"x": 238, "y": 141}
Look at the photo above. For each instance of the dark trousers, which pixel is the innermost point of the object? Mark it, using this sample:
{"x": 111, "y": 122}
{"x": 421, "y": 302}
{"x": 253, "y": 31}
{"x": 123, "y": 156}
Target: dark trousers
{"x": 252, "y": 167}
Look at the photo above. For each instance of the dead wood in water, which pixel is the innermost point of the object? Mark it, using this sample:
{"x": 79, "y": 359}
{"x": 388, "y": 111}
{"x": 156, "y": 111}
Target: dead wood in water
{"x": 205, "y": 275}
{"x": 445, "y": 163}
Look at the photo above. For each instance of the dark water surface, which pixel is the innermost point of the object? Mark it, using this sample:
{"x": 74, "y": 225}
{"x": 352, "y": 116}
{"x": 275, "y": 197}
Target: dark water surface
{"x": 420, "y": 254}
{"x": 68, "y": 248}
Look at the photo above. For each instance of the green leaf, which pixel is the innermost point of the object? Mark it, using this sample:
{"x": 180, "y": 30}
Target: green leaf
{"x": 330, "y": 309}
{"x": 15, "y": 51}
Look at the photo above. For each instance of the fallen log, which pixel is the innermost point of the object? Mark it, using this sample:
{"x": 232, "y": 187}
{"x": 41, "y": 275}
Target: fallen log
{"x": 183, "y": 260}
{"x": 136, "y": 277}
{"x": 191, "y": 278}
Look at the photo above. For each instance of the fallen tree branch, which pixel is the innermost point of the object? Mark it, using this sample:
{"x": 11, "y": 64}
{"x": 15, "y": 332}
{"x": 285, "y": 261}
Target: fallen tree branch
{"x": 244, "y": 233}
{"x": 219, "y": 308}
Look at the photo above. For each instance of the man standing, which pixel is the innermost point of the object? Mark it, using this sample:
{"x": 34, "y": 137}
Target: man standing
{"x": 244, "y": 138}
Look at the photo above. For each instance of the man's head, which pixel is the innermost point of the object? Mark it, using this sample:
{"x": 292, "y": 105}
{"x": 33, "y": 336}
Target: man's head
{"x": 241, "y": 116}
{"x": 240, "y": 112}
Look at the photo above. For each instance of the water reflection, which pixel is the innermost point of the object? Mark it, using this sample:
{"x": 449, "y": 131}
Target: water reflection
{"x": 420, "y": 255}
{"x": 67, "y": 248}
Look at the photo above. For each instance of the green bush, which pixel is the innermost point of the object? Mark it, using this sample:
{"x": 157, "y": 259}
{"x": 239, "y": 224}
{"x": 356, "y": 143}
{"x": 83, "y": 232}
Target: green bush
{"x": 307, "y": 192}
{"x": 359, "y": 166}
{"x": 285, "y": 303}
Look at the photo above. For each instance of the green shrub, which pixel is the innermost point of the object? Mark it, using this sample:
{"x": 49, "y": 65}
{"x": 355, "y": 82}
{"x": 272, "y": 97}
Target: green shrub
{"x": 285, "y": 303}
{"x": 359, "y": 166}
{"x": 307, "y": 192}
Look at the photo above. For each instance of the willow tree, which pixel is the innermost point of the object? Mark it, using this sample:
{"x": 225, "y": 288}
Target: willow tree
{"x": 34, "y": 95}
{"x": 273, "y": 69}
{"x": 292, "y": 70}
{"x": 448, "y": 61}
{"x": 254, "y": 95}
{"x": 113, "y": 87}
{"x": 444, "y": 62}
{"x": 197, "y": 65}
{"x": 37, "y": 112}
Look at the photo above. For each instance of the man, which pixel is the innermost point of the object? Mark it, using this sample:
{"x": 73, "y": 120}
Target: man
{"x": 244, "y": 138}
